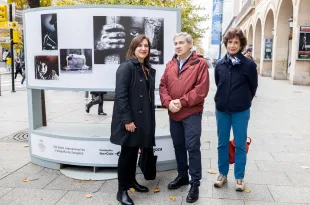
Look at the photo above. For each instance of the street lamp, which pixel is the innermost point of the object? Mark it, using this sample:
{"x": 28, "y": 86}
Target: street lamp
{"x": 291, "y": 22}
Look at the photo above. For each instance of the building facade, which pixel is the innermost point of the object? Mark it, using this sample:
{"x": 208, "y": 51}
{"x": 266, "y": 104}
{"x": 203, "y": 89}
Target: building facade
{"x": 278, "y": 31}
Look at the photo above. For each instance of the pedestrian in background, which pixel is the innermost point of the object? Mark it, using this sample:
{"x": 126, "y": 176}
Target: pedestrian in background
{"x": 97, "y": 98}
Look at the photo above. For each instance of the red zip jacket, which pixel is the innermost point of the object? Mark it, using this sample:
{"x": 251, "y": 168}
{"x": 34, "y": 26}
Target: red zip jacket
{"x": 191, "y": 86}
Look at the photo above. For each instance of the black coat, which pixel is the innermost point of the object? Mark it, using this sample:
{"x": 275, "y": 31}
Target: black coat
{"x": 134, "y": 102}
{"x": 236, "y": 85}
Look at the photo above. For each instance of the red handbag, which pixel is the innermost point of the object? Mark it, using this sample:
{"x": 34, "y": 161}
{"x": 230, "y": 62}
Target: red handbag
{"x": 232, "y": 149}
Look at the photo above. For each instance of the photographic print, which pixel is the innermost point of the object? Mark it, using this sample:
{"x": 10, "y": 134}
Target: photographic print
{"x": 49, "y": 31}
{"x": 76, "y": 60}
{"x": 113, "y": 34}
{"x": 304, "y": 43}
{"x": 46, "y": 67}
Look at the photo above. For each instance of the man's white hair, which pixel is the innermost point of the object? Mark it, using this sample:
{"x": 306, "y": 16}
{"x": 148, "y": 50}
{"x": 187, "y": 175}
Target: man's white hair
{"x": 188, "y": 37}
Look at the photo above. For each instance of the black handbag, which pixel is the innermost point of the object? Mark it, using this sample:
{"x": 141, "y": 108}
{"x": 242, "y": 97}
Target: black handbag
{"x": 147, "y": 163}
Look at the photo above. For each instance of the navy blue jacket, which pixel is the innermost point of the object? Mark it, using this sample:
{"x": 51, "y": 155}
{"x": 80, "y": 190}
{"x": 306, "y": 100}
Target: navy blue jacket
{"x": 236, "y": 85}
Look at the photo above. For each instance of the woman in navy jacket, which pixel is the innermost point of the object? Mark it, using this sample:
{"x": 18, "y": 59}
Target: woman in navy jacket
{"x": 236, "y": 81}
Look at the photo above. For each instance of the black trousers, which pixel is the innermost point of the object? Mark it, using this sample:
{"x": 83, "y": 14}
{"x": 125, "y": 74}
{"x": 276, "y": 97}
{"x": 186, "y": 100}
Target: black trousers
{"x": 126, "y": 169}
{"x": 97, "y": 99}
{"x": 20, "y": 72}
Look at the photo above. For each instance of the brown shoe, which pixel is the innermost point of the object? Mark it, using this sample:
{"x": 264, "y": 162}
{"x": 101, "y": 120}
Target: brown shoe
{"x": 240, "y": 185}
{"x": 221, "y": 180}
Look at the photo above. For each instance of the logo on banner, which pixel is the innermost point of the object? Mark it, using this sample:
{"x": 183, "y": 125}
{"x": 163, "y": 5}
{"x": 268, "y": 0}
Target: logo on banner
{"x": 158, "y": 149}
{"x": 42, "y": 146}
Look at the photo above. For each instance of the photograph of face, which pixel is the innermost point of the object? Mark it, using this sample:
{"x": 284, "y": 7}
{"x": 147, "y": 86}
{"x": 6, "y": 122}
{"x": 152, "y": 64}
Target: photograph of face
{"x": 46, "y": 67}
{"x": 76, "y": 60}
{"x": 304, "y": 46}
{"x": 49, "y": 31}
{"x": 113, "y": 34}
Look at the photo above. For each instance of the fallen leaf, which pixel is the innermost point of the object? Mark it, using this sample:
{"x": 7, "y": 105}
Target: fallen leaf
{"x": 88, "y": 196}
{"x": 25, "y": 180}
{"x": 132, "y": 190}
{"x": 155, "y": 190}
{"x": 305, "y": 167}
{"x": 247, "y": 191}
{"x": 26, "y": 145}
{"x": 172, "y": 198}
{"x": 212, "y": 172}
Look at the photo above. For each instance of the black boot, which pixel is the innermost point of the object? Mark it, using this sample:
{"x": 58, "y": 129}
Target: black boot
{"x": 123, "y": 198}
{"x": 193, "y": 194}
{"x": 178, "y": 182}
{"x": 138, "y": 187}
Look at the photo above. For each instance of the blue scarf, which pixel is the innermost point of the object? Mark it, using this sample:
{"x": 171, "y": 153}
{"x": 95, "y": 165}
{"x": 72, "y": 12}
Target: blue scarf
{"x": 234, "y": 59}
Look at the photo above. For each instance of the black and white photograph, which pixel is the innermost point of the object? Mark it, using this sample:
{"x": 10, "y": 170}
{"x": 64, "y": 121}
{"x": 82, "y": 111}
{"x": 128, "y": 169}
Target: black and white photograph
{"x": 49, "y": 31}
{"x": 113, "y": 34}
{"x": 304, "y": 43}
{"x": 76, "y": 61}
{"x": 46, "y": 67}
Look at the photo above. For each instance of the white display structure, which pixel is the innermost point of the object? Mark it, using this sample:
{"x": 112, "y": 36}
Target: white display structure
{"x": 75, "y": 30}
{"x": 66, "y": 48}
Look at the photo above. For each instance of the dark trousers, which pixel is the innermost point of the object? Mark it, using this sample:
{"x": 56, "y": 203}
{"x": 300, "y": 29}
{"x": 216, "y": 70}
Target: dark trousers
{"x": 97, "y": 99}
{"x": 24, "y": 77}
{"x": 18, "y": 71}
{"x": 126, "y": 169}
{"x": 186, "y": 138}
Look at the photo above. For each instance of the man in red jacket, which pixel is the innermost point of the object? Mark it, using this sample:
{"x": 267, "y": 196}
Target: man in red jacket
{"x": 183, "y": 88}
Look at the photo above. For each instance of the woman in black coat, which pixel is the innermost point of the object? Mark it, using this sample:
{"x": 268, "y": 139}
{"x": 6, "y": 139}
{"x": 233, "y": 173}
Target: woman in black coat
{"x": 133, "y": 121}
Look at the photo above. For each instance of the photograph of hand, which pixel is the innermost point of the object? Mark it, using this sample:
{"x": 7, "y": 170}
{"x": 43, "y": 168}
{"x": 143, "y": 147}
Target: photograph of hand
{"x": 49, "y": 31}
{"x": 113, "y": 34}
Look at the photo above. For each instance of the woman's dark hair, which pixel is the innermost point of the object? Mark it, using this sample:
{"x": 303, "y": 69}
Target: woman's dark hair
{"x": 235, "y": 32}
{"x": 134, "y": 44}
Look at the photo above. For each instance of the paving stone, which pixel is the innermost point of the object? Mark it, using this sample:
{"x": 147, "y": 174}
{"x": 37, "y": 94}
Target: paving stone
{"x": 290, "y": 194}
{"x": 78, "y": 198}
{"x": 208, "y": 154}
{"x": 111, "y": 187}
{"x": 210, "y": 201}
{"x": 68, "y": 184}
{"x": 258, "y": 192}
{"x": 275, "y": 166}
{"x": 30, "y": 168}
{"x": 252, "y": 156}
{"x": 267, "y": 148}
{"x": 299, "y": 179}
{"x": 36, "y": 181}
{"x": 21, "y": 196}
{"x": 156, "y": 199}
{"x": 291, "y": 157}
{"x": 4, "y": 191}
{"x": 266, "y": 203}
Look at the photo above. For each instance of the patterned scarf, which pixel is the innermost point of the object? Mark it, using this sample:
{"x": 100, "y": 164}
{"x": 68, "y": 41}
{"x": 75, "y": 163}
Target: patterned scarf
{"x": 234, "y": 60}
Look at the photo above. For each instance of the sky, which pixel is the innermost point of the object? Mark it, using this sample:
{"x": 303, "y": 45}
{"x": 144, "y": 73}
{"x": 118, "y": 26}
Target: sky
{"x": 207, "y": 4}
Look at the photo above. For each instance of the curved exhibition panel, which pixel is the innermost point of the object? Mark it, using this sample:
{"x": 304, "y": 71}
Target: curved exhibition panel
{"x": 80, "y": 48}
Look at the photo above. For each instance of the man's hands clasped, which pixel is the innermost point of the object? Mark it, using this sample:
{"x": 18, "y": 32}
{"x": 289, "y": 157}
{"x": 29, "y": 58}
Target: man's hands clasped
{"x": 175, "y": 106}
